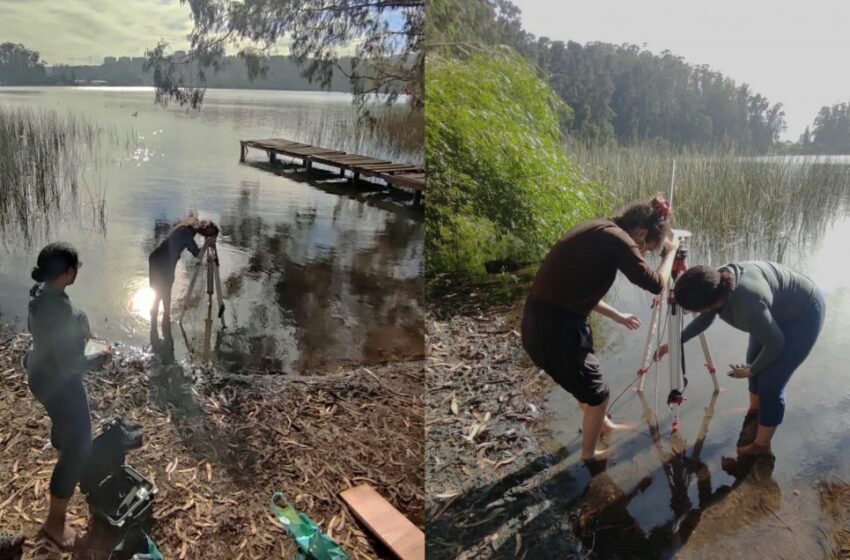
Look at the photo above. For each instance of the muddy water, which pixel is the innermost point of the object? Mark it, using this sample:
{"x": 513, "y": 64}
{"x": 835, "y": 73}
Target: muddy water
{"x": 688, "y": 496}
{"x": 314, "y": 274}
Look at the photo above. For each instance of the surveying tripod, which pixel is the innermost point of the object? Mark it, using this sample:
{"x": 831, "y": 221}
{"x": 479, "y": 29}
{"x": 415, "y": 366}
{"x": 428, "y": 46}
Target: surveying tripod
{"x": 674, "y": 324}
{"x": 213, "y": 284}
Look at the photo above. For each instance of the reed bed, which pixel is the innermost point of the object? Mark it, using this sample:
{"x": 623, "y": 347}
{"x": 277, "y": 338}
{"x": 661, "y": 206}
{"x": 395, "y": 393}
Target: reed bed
{"x": 43, "y": 161}
{"x": 740, "y": 206}
{"x": 395, "y": 133}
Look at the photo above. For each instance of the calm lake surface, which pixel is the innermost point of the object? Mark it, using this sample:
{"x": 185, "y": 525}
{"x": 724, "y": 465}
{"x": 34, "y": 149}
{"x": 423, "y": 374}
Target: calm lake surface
{"x": 314, "y": 273}
{"x": 650, "y": 503}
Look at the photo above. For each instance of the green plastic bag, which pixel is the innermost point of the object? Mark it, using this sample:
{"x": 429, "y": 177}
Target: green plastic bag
{"x": 313, "y": 543}
{"x": 138, "y": 544}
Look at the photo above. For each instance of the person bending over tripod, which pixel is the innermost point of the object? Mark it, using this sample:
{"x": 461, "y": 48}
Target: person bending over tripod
{"x": 571, "y": 282}
{"x": 163, "y": 260}
{"x": 783, "y": 312}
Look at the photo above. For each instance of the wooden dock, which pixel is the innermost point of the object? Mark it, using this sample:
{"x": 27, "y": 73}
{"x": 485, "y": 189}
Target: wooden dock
{"x": 405, "y": 175}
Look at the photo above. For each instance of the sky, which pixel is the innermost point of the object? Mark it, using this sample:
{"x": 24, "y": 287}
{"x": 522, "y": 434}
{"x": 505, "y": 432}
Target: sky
{"x": 85, "y": 31}
{"x": 796, "y": 53}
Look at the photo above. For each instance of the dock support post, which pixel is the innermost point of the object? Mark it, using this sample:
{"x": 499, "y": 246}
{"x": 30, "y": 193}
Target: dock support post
{"x": 417, "y": 198}
{"x": 242, "y": 150}
{"x": 272, "y": 157}
{"x": 308, "y": 164}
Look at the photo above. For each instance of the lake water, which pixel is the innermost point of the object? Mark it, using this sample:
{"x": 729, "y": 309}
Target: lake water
{"x": 315, "y": 273}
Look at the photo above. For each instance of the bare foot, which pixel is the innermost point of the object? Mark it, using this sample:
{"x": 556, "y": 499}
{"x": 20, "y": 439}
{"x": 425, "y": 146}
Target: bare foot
{"x": 64, "y": 538}
{"x": 609, "y": 426}
{"x": 598, "y": 455}
{"x": 754, "y": 449}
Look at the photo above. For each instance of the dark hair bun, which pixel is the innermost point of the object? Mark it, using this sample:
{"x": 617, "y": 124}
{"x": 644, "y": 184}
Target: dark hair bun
{"x": 37, "y": 274}
{"x": 726, "y": 283}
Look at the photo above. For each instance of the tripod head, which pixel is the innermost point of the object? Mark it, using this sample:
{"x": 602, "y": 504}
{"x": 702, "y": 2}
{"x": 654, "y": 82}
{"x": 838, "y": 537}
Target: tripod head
{"x": 679, "y": 262}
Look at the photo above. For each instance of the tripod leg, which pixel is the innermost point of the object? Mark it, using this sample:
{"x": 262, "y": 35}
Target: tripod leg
{"x": 709, "y": 361}
{"x": 648, "y": 351}
{"x": 674, "y": 342}
{"x": 218, "y": 293}
{"x": 186, "y": 297}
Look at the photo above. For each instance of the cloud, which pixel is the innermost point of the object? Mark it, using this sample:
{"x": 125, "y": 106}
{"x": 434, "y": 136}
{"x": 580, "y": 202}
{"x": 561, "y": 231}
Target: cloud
{"x": 79, "y": 30}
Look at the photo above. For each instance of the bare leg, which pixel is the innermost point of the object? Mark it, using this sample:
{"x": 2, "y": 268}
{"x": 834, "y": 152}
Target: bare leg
{"x": 155, "y": 309}
{"x": 748, "y": 430}
{"x": 754, "y": 402}
{"x": 55, "y": 525}
{"x": 761, "y": 445}
{"x": 594, "y": 418}
{"x": 166, "y": 306}
{"x": 609, "y": 425}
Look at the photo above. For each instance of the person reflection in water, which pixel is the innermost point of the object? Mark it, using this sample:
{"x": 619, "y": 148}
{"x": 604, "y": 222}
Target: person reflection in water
{"x": 163, "y": 260}
{"x": 163, "y": 347}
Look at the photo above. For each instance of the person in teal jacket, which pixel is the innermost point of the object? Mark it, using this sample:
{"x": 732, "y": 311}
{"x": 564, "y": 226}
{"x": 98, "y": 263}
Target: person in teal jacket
{"x": 55, "y": 367}
{"x": 782, "y": 311}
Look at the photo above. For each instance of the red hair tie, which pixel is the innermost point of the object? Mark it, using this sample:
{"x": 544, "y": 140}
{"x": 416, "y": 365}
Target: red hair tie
{"x": 662, "y": 207}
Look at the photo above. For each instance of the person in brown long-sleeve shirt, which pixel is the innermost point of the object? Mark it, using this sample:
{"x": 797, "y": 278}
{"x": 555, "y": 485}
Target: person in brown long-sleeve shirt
{"x": 571, "y": 282}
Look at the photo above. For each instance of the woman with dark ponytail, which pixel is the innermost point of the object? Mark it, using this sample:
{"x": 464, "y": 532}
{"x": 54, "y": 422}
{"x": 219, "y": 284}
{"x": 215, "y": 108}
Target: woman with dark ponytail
{"x": 783, "y": 312}
{"x": 55, "y": 367}
{"x": 571, "y": 282}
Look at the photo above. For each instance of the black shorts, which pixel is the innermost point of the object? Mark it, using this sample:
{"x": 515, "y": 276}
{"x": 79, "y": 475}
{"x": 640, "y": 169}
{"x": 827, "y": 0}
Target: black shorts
{"x": 561, "y": 344}
{"x": 161, "y": 276}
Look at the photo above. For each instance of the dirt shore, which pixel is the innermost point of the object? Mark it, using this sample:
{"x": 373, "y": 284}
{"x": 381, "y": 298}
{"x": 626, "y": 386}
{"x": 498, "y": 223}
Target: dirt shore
{"x": 218, "y": 447}
{"x": 484, "y": 424}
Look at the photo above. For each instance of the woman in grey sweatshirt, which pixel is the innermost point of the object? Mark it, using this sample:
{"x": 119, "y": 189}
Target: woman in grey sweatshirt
{"x": 55, "y": 367}
{"x": 783, "y": 312}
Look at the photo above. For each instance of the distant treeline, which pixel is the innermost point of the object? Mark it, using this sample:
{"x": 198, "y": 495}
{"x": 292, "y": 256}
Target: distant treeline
{"x": 630, "y": 95}
{"x": 21, "y": 66}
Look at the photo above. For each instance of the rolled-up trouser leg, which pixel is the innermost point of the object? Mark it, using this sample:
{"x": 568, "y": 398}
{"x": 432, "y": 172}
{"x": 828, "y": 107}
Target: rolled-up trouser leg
{"x": 71, "y": 435}
{"x": 800, "y": 337}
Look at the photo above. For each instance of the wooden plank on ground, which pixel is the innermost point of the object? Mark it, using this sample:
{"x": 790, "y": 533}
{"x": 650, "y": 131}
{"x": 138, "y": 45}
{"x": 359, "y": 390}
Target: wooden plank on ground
{"x": 400, "y": 535}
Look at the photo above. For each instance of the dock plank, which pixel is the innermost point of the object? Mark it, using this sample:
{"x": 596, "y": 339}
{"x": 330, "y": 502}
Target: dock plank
{"x": 395, "y": 174}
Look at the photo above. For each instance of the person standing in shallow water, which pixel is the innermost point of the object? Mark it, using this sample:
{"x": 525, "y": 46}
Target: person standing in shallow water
{"x": 55, "y": 366}
{"x": 571, "y": 282}
{"x": 162, "y": 261}
{"x": 782, "y": 311}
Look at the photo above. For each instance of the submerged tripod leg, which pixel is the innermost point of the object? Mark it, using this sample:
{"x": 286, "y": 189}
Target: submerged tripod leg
{"x": 648, "y": 351}
{"x": 218, "y": 292}
{"x": 709, "y": 361}
{"x": 188, "y": 294}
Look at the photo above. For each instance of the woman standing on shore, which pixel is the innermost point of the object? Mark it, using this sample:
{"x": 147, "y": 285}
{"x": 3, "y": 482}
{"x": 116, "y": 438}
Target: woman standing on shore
{"x": 55, "y": 368}
{"x": 571, "y": 282}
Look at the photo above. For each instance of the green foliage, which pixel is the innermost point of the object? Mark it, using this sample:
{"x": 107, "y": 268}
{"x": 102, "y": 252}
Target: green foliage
{"x": 386, "y": 36}
{"x": 831, "y": 133}
{"x": 453, "y": 27}
{"x": 631, "y": 95}
{"x": 20, "y": 66}
{"x": 620, "y": 93}
{"x": 499, "y": 183}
